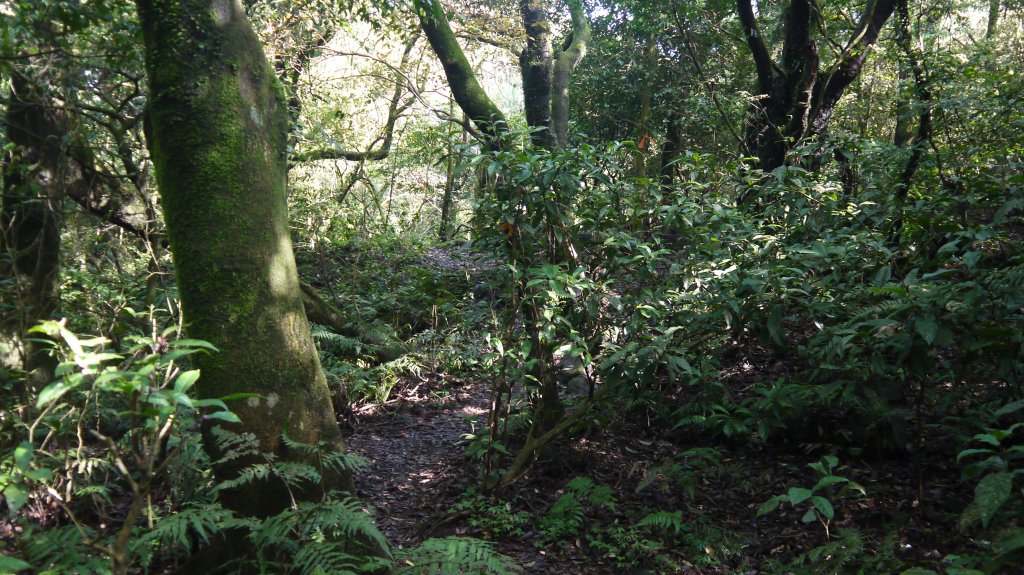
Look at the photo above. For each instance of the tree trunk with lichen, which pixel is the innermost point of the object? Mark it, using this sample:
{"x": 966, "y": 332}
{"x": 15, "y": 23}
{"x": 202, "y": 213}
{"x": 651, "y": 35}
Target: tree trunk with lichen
{"x": 217, "y": 129}
{"x": 30, "y": 228}
{"x": 535, "y": 63}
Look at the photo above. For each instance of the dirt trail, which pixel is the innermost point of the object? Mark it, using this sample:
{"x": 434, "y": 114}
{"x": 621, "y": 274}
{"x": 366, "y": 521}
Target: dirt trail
{"x": 416, "y": 465}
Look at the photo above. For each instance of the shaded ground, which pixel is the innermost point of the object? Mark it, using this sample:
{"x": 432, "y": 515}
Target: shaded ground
{"x": 418, "y": 473}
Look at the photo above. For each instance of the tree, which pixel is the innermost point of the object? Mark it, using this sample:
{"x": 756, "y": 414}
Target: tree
{"x": 796, "y": 97}
{"x": 217, "y": 129}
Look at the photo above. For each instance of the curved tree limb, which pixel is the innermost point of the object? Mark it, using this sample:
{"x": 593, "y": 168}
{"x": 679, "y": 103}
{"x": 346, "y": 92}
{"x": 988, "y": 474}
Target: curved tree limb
{"x": 565, "y": 62}
{"x": 467, "y": 91}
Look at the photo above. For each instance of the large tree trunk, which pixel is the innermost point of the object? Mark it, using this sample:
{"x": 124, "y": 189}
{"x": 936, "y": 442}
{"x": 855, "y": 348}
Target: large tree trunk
{"x": 570, "y": 55}
{"x": 796, "y": 98}
{"x": 30, "y": 227}
{"x": 217, "y": 127}
{"x": 535, "y": 63}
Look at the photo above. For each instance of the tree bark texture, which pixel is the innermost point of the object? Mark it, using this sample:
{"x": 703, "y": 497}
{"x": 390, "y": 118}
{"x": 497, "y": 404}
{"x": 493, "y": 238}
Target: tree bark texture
{"x": 218, "y": 126}
{"x": 467, "y": 91}
{"x": 535, "y": 63}
{"x": 570, "y": 55}
{"x": 796, "y": 97}
{"x": 30, "y": 224}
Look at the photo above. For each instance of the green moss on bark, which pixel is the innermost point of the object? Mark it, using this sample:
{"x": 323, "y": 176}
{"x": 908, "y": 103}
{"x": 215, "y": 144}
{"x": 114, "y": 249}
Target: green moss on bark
{"x": 218, "y": 127}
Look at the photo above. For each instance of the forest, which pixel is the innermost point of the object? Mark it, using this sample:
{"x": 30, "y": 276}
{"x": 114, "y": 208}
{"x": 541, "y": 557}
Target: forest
{"x": 442, "y": 287}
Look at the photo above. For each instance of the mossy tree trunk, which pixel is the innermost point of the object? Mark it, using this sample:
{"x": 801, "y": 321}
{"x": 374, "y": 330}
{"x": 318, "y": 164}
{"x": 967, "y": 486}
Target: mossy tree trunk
{"x": 49, "y": 161}
{"x": 217, "y": 129}
{"x": 535, "y": 63}
{"x": 462, "y": 80}
{"x": 568, "y": 57}
{"x": 30, "y": 229}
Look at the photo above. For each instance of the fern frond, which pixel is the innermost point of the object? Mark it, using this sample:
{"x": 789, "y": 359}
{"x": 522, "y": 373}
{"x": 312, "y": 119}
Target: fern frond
{"x": 580, "y": 486}
{"x": 325, "y": 558}
{"x": 179, "y": 530}
{"x": 455, "y": 556}
{"x": 333, "y": 519}
{"x": 602, "y": 496}
{"x": 665, "y": 521}
{"x": 342, "y": 462}
{"x": 234, "y": 445}
{"x": 255, "y": 472}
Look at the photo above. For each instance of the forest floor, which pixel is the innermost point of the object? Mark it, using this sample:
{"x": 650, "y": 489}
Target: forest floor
{"x": 708, "y": 488}
{"x": 420, "y": 483}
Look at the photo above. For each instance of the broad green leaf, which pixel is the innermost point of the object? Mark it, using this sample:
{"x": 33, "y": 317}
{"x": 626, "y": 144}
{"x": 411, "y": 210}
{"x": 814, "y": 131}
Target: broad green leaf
{"x": 775, "y": 331}
{"x": 39, "y": 474}
{"x": 798, "y": 495}
{"x": 223, "y": 416}
{"x": 53, "y": 392}
{"x": 186, "y": 380}
{"x": 768, "y": 506}
{"x": 991, "y": 493}
{"x": 23, "y": 455}
{"x": 210, "y": 403}
{"x": 16, "y": 495}
{"x": 1010, "y": 408}
{"x": 987, "y": 438}
{"x": 824, "y": 506}
{"x": 809, "y": 516}
{"x": 918, "y": 571}
{"x": 970, "y": 452}
{"x": 926, "y": 327}
{"x": 195, "y": 343}
{"x": 234, "y": 396}
{"x": 829, "y": 481}
{"x": 12, "y": 565}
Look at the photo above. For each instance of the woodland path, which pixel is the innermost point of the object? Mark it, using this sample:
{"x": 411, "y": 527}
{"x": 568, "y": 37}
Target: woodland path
{"x": 418, "y": 470}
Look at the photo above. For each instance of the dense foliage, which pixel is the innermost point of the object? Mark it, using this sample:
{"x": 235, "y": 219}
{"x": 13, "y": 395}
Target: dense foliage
{"x": 712, "y": 335}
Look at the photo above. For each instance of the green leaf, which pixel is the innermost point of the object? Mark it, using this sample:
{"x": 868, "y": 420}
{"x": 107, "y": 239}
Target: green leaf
{"x": 186, "y": 380}
{"x": 16, "y": 495}
{"x": 53, "y": 392}
{"x": 39, "y": 474}
{"x": 775, "y": 331}
{"x": 991, "y": 493}
{"x": 829, "y": 481}
{"x": 768, "y": 506}
{"x": 970, "y": 452}
{"x": 1010, "y": 408}
{"x": 987, "y": 438}
{"x": 824, "y": 506}
{"x": 918, "y": 571}
{"x": 23, "y": 455}
{"x": 798, "y": 495}
{"x": 11, "y": 565}
{"x": 926, "y": 327}
{"x": 809, "y": 516}
{"x": 195, "y": 343}
{"x": 223, "y": 416}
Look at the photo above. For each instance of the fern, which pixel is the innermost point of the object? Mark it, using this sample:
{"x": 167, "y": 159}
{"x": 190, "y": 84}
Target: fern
{"x": 564, "y": 517}
{"x": 233, "y": 445}
{"x": 178, "y": 531}
{"x": 670, "y": 522}
{"x": 455, "y": 556}
{"x": 326, "y": 558}
{"x": 567, "y": 513}
{"x": 64, "y": 551}
{"x": 332, "y": 519}
{"x": 255, "y": 472}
